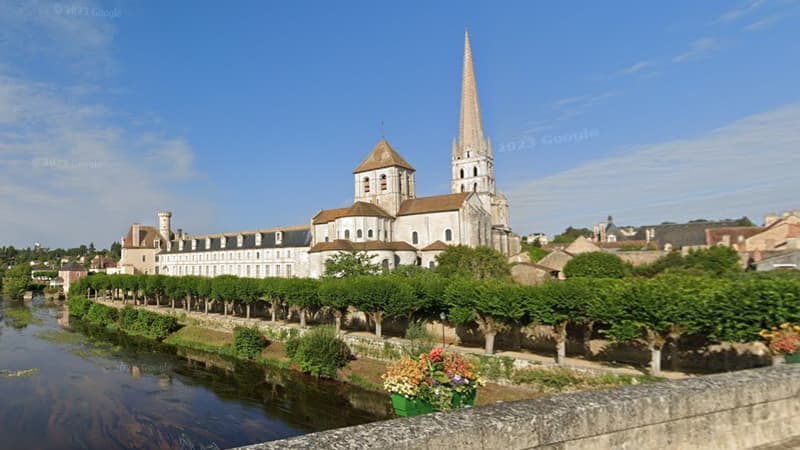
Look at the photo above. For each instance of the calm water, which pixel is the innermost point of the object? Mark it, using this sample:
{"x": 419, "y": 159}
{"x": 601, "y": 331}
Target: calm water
{"x": 101, "y": 390}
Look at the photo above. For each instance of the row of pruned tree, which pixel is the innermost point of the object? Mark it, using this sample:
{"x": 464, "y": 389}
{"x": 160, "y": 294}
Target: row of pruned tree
{"x": 654, "y": 311}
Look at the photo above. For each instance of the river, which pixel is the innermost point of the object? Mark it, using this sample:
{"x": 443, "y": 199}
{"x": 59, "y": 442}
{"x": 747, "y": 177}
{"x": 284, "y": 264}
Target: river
{"x": 70, "y": 386}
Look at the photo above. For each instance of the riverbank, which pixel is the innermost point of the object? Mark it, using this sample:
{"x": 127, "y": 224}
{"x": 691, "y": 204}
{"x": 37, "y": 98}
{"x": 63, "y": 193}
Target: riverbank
{"x": 509, "y": 378}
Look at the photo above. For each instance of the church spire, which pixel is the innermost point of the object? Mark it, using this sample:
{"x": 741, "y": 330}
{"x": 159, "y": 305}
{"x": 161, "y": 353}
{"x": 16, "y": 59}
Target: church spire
{"x": 471, "y": 128}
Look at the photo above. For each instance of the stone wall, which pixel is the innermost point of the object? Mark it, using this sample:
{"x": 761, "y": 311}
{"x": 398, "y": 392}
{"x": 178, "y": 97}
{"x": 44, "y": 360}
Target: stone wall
{"x": 736, "y": 410}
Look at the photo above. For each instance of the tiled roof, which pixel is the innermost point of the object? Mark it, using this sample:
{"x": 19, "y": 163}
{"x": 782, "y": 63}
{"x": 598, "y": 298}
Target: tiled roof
{"x": 147, "y": 235}
{"x": 435, "y": 246}
{"x": 714, "y": 235}
{"x": 359, "y": 209}
{"x": 383, "y": 155}
{"x": 344, "y": 245}
{"x": 436, "y": 203}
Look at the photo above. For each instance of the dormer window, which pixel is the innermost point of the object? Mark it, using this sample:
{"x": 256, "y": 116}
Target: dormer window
{"x": 180, "y": 245}
{"x": 223, "y": 241}
{"x": 194, "y": 244}
{"x": 239, "y": 240}
{"x": 258, "y": 238}
{"x": 208, "y": 243}
{"x": 278, "y": 237}
{"x": 156, "y": 243}
{"x": 169, "y": 246}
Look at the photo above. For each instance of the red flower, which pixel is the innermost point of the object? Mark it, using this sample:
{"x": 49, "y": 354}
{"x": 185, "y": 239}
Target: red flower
{"x": 436, "y": 354}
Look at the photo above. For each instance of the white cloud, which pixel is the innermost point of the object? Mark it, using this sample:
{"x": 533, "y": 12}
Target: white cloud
{"x": 635, "y": 68}
{"x": 766, "y": 22}
{"x": 68, "y": 175}
{"x": 698, "y": 49}
{"x": 748, "y": 167}
{"x": 570, "y": 107}
{"x": 70, "y": 171}
{"x": 743, "y": 10}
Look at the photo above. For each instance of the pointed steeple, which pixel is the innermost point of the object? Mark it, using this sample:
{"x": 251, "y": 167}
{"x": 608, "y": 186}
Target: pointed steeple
{"x": 470, "y": 132}
{"x": 455, "y": 148}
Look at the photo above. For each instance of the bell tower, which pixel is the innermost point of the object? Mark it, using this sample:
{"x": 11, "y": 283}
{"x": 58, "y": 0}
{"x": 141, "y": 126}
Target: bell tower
{"x": 472, "y": 156}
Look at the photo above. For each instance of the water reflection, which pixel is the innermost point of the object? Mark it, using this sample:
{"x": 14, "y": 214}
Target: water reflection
{"x": 96, "y": 389}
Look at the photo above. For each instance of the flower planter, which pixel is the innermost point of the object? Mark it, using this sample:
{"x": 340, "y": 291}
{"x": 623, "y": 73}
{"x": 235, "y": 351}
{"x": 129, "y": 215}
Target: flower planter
{"x": 410, "y": 407}
{"x": 793, "y": 358}
{"x": 459, "y": 401}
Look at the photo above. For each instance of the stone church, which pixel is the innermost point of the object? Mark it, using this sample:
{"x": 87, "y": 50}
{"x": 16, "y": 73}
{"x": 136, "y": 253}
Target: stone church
{"x": 386, "y": 219}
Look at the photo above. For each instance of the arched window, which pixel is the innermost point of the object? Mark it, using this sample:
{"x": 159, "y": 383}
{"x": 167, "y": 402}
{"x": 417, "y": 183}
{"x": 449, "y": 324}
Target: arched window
{"x": 400, "y": 185}
{"x": 431, "y": 265}
{"x": 396, "y": 260}
{"x": 415, "y": 238}
{"x": 448, "y": 235}
{"x": 475, "y": 187}
{"x": 462, "y": 188}
{"x": 474, "y": 171}
{"x": 385, "y": 263}
{"x": 359, "y": 234}
{"x": 462, "y": 173}
{"x": 366, "y": 185}
{"x": 369, "y": 233}
{"x": 347, "y": 234}
{"x": 383, "y": 182}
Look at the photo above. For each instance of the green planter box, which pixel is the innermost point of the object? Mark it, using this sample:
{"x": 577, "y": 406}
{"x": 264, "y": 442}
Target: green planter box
{"x": 410, "y": 407}
{"x": 794, "y": 358}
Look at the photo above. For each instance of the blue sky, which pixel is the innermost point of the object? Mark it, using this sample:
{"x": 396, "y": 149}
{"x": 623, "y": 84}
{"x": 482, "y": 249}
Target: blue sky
{"x": 253, "y": 114}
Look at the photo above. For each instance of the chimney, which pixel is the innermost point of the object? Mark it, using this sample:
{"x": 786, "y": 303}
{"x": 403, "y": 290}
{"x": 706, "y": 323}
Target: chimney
{"x": 136, "y": 228}
{"x": 770, "y": 218}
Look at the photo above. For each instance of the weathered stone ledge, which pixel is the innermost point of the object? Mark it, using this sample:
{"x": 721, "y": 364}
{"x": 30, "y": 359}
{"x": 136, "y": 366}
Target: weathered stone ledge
{"x": 735, "y": 410}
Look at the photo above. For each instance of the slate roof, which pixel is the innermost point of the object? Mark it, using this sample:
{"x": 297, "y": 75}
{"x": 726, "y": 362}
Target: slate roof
{"x": 359, "y": 209}
{"x": 436, "y": 203}
{"x": 344, "y": 245}
{"x": 292, "y": 237}
{"x": 383, "y": 155}
{"x": 72, "y": 267}
{"x": 681, "y": 234}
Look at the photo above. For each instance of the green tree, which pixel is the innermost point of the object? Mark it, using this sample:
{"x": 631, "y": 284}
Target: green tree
{"x": 334, "y": 296}
{"x": 16, "y": 281}
{"x": 223, "y": 289}
{"x": 494, "y": 305}
{"x": 303, "y": 294}
{"x": 596, "y": 265}
{"x": 350, "y": 264}
{"x": 379, "y": 297}
{"x": 274, "y": 290}
{"x": 480, "y": 262}
{"x": 570, "y": 234}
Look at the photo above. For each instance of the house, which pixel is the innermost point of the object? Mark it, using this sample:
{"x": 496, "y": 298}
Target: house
{"x": 531, "y": 274}
{"x": 70, "y": 273}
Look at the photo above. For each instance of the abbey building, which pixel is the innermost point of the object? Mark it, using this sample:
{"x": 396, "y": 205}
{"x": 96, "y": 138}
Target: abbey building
{"x": 386, "y": 219}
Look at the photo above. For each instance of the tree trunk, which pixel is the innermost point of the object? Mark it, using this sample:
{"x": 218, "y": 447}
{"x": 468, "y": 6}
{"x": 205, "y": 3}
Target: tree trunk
{"x": 225, "y": 308}
{"x": 673, "y": 355}
{"x": 206, "y": 305}
{"x": 337, "y": 319}
{"x": 248, "y": 310}
{"x": 489, "y": 348}
{"x": 655, "y": 361}
{"x": 561, "y": 342}
{"x": 302, "y": 318}
{"x": 274, "y": 310}
{"x": 587, "y": 340}
{"x": 378, "y": 318}
{"x": 172, "y": 303}
{"x": 561, "y": 351}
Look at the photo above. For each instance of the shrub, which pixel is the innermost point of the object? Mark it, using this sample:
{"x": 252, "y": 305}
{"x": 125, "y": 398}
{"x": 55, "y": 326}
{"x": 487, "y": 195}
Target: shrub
{"x": 146, "y": 323}
{"x": 128, "y": 317}
{"x": 78, "y": 306}
{"x": 248, "y": 342}
{"x": 420, "y": 340}
{"x": 101, "y": 315}
{"x": 320, "y": 352}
